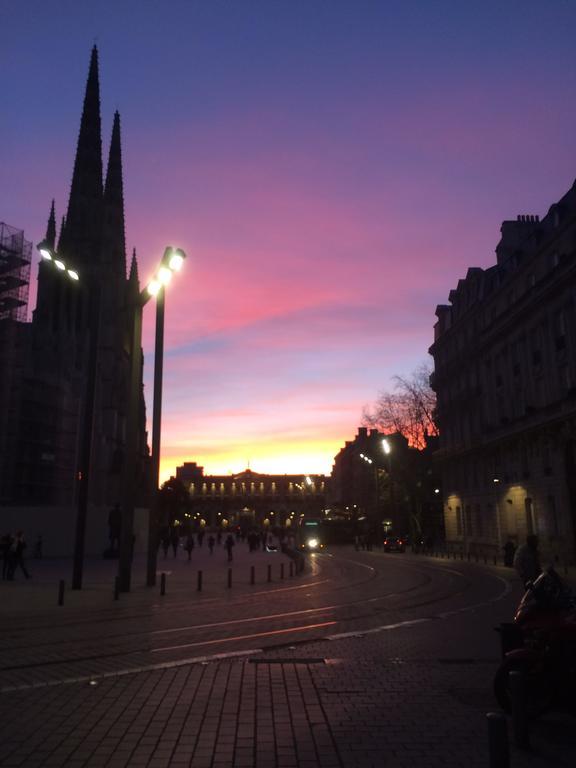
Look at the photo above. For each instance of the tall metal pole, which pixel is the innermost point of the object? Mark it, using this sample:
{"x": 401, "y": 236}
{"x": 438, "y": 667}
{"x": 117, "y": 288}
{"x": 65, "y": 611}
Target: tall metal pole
{"x": 153, "y": 521}
{"x": 132, "y": 450}
{"x": 84, "y": 465}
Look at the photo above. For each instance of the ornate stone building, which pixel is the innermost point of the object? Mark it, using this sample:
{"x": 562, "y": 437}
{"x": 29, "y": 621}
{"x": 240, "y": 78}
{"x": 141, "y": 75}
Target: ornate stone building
{"x": 505, "y": 376}
{"x": 252, "y": 496}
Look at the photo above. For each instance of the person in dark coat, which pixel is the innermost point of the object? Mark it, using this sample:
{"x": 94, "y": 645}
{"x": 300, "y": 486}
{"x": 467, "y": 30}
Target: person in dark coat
{"x": 229, "y": 544}
{"x": 174, "y": 541}
{"x": 190, "y": 545}
{"x": 509, "y": 550}
{"x": 17, "y": 556}
{"x": 211, "y": 542}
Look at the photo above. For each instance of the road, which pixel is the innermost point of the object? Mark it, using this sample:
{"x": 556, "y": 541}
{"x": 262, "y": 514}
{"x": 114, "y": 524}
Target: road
{"x": 366, "y": 659}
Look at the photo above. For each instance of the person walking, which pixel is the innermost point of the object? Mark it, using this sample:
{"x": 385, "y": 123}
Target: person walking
{"x": 229, "y": 544}
{"x": 527, "y": 560}
{"x": 200, "y": 537}
{"x": 509, "y": 551}
{"x": 17, "y": 556}
{"x": 175, "y": 540}
{"x": 211, "y": 542}
{"x": 190, "y": 545}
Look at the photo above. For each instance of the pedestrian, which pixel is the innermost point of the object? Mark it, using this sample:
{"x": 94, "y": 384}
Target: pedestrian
{"x": 219, "y": 536}
{"x": 190, "y": 545}
{"x": 166, "y": 543}
{"x": 357, "y": 543}
{"x": 211, "y": 542}
{"x": 200, "y": 537}
{"x": 229, "y": 544}
{"x": 174, "y": 541}
{"x": 509, "y": 550}
{"x": 527, "y": 560}
{"x": 17, "y": 556}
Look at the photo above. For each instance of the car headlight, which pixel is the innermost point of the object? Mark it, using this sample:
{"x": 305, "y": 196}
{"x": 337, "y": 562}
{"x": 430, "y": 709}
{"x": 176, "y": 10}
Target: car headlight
{"x": 312, "y": 543}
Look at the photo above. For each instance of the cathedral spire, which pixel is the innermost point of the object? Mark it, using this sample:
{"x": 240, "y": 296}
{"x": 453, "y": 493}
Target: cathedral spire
{"x": 51, "y": 228}
{"x": 114, "y": 238}
{"x": 81, "y": 238}
{"x": 134, "y": 269}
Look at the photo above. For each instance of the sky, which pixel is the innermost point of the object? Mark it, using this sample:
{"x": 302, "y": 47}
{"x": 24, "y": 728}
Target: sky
{"x": 331, "y": 168}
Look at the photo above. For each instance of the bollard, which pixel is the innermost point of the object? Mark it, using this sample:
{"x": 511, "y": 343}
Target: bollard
{"x": 269, "y": 572}
{"x": 252, "y": 575}
{"x": 495, "y": 560}
{"x": 61, "y": 587}
{"x": 116, "y": 587}
{"x": 229, "y": 578}
{"x": 291, "y": 569}
{"x": 519, "y": 710}
{"x": 281, "y": 570}
{"x": 163, "y": 584}
{"x": 199, "y": 581}
{"x": 498, "y": 740}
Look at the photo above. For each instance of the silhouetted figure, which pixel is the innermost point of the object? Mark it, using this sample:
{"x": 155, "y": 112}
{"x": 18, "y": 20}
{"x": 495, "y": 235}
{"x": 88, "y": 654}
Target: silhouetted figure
{"x": 229, "y": 544}
{"x": 174, "y": 541}
{"x": 219, "y": 536}
{"x": 190, "y": 545}
{"x": 16, "y": 556}
{"x": 527, "y": 560}
{"x": 166, "y": 544}
{"x": 211, "y": 542}
{"x": 200, "y": 537}
{"x": 509, "y": 550}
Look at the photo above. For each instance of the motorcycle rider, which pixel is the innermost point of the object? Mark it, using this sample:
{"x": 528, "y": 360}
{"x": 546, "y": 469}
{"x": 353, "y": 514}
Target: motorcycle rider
{"x": 527, "y": 560}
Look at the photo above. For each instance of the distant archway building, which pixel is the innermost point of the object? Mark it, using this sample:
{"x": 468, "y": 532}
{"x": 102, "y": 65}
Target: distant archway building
{"x": 249, "y": 494}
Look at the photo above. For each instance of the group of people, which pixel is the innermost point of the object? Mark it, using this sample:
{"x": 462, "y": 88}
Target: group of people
{"x": 12, "y": 548}
{"x": 171, "y": 538}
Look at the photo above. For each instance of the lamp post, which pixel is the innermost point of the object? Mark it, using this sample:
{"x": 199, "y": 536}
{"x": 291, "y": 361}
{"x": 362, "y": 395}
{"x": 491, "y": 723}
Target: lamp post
{"x": 387, "y": 448}
{"x": 172, "y": 261}
{"x": 49, "y": 255}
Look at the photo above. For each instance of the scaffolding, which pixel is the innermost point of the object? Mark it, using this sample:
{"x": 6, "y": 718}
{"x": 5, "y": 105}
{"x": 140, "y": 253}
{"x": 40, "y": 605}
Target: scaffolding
{"x": 15, "y": 260}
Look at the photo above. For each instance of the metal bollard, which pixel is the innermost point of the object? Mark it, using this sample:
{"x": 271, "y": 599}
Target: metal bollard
{"x": 269, "y": 572}
{"x": 252, "y": 575}
{"x": 116, "y": 587}
{"x": 229, "y": 578}
{"x": 61, "y": 588}
{"x": 199, "y": 588}
{"x": 163, "y": 584}
{"x": 281, "y": 570}
{"x": 291, "y": 569}
{"x": 519, "y": 710}
{"x": 498, "y": 740}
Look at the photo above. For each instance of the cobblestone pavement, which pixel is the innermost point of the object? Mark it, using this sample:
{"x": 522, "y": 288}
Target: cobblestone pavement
{"x": 406, "y": 684}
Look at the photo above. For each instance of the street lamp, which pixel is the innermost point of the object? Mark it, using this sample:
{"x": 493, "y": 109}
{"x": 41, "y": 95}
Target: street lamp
{"x": 387, "y": 448}
{"x": 172, "y": 261}
{"x": 49, "y": 254}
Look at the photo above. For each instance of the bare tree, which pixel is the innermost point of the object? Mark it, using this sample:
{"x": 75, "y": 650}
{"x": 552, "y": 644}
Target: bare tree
{"x": 409, "y": 409}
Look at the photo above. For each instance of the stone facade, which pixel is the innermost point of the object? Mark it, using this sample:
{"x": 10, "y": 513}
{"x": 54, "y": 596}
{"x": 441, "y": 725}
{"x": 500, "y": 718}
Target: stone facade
{"x": 505, "y": 376}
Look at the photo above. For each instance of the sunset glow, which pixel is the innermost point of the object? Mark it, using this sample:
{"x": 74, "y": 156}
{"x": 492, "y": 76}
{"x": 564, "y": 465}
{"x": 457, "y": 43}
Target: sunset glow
{"x": 329, "y": 172}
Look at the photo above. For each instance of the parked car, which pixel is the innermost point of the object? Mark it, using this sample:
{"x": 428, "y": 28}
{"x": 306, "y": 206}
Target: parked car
{"x": 394, "y": 544}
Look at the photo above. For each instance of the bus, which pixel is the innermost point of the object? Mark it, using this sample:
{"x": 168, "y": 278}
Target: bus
{"x": 310, "y": 536}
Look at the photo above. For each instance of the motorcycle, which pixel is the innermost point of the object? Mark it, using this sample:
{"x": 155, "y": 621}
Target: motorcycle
{"x": 541, "y": 644}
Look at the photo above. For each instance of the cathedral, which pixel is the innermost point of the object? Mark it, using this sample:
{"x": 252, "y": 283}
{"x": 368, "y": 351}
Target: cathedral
{"x": 80, "y": 335}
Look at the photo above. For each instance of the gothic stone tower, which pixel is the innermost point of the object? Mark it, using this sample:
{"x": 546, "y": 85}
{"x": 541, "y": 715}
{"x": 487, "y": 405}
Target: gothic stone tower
{"x": 92, "y": 241}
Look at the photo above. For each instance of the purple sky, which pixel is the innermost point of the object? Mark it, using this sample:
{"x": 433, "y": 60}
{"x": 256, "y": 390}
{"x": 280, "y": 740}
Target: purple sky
{"x": 331, "y": 168}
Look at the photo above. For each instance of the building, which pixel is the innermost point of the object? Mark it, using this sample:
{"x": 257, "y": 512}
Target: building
{"x": 251, "y": 496}
{"x": 40, "y": 471}
{"x": 397, "y": 491}
{"x": 505, "y": 376}
{"x": 15, "y": 259}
